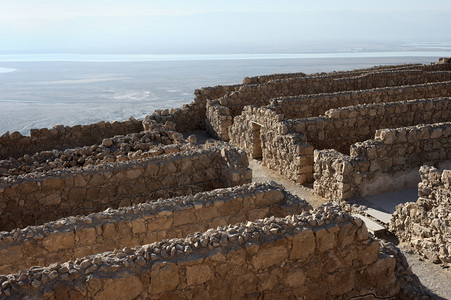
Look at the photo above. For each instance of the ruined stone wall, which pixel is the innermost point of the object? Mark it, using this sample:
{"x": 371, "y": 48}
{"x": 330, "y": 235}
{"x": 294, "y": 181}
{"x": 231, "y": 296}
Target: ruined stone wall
{"x": 75, "y": 237}
{"x": 153, "y": 142}
{"x": 286, "y": 153}
{"x": 261, "y": 94}
{"x": 324, "y": 255}
{"x": 62, "y": 137}
{"x": 342, "y": 127}
{"x": 191, "y": 116}
{"x": 41, "y": 197}
{"x": 426, "y": 224}
{"x": 313, "y": 105}
{"x": 266, "y": 78}
{"x": 388, "y": 162}
{"x": 287, "y": 145}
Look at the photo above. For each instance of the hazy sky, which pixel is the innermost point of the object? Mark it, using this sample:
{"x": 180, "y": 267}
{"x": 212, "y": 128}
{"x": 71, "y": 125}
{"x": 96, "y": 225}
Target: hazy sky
{"x": 69, "y": 8}
{"x": 148, "y": 25}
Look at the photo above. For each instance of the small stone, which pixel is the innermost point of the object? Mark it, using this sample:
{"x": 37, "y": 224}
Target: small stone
{"x": 53, "y": 275}
{"x": 85, "y": 264}
{"x": 91, "y": 269}
{"x": 140, "y": 261}
{"x": 36, "y": 283}
{"x": 204, "y": 242}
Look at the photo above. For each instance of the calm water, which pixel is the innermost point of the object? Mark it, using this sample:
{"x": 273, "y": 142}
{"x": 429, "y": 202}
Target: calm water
{"x": 44, "y": 90}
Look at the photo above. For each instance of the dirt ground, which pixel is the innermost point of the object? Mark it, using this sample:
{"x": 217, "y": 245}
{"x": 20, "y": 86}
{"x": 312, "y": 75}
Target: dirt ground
{"x": 434, "y": 277}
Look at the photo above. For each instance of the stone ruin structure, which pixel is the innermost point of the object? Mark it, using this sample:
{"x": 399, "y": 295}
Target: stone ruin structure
{"x": 426, "y": 224}
{"x": 138, "y": 210}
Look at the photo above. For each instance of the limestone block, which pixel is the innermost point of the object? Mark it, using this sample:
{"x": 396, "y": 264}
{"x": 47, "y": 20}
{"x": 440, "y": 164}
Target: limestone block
{"x": 183, "y": 217}
{"x": 295, "y": 278}
{"x": 198, "y": 274}
{"x": 341, "y": 282}
{"x": 85, "y": 236}
{"x": 52, "y": 199}
{"x": 369, "y": 252}
{"x": 160, "y": 223}
{"x": 63, "y": 240}
{"x": 206, "y": 213}
{"x": 303, "y": 245}
{"x": 346, "y": 235}
{"x": 133, "y": 173}
{"x": 79, "y": 181}
{"x": 52, "y": 183}
{"x": 164, "y": 277}
{"x": 138, "y": 226}
{"x": 77, "y": 194}
{"x": 83, "y": 251}
{"x": 127, "y": 286}
{"x": 271, "y": 197}
{"x": 325, "y": 240}
{"x": 258, "y": 213}
{"x": 268, "y": 256}
{"x": 11, "y": 254}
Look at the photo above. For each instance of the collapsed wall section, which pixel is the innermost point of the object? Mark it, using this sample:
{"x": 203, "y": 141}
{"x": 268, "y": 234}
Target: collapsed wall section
{"x": 324, "y": 255}
{"x": 261, "y": 94}
{"x": 62, "y": 137}
{"x": 41, "y": 197}
{"x": 388, "y": 162}
{"x": 425, "y": 224}
{"x": 75, "y": 237}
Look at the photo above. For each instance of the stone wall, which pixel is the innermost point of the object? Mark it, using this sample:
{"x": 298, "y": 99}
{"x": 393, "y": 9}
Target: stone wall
{"x": 191, "y": 116}
{"x": 388, "y": 162}
{"x": 327, "y": 254}
{"x": 287, "y": 145}
{"x": 153, "y": 142}
{"x": 342, "y": 127}
{"x": 261, "y": 130}
{"x": 426, "y": 224}
{"x": 261, "y": 94}
{"x": 75, "y": 237}
{"x": 62, "y": 137}
{"x": 266, "y": 78}
{"x": 44, "y": 196}
{"x": 314, "y": 105}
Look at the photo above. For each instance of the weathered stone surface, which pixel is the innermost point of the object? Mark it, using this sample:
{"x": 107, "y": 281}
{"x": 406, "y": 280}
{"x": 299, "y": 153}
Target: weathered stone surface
{"x": 198, "y": 274}
{"x": 126, "y": 287}
{"x": 165, "y": 277}
{"x": 304, "y": 245}
{"x": 424, "y": 224}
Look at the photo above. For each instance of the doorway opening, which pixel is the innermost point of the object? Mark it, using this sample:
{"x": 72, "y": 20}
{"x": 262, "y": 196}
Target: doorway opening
{"x": 256, "y": 141}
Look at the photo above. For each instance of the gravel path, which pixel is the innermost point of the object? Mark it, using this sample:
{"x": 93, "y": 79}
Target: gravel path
{"x": 262, "y": 174}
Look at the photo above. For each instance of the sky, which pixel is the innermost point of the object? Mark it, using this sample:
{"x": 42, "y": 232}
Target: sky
{"x": 211, "y": 25}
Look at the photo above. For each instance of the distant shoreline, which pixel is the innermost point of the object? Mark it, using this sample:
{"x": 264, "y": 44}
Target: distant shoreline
{"x": 64, "y": 57}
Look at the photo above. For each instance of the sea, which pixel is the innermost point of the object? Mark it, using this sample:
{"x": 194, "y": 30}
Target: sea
{"x": 44, "y": 90}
